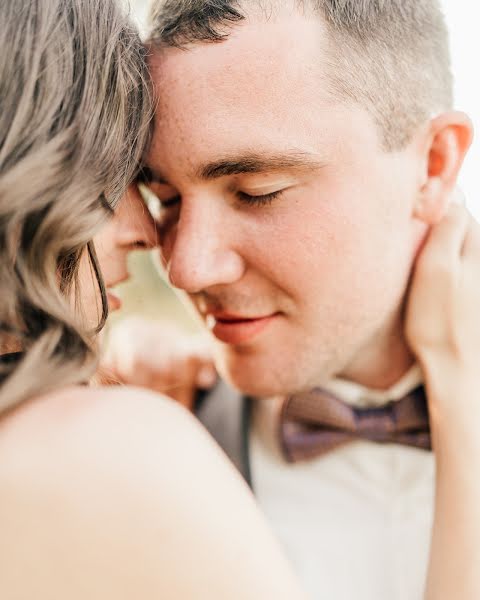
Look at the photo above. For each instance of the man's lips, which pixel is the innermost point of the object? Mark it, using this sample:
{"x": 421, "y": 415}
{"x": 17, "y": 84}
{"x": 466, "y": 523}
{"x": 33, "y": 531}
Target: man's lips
{"x": 237, "y": 329}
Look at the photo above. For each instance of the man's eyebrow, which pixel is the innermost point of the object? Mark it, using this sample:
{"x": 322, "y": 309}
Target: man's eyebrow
{"x": 259, "y": 163}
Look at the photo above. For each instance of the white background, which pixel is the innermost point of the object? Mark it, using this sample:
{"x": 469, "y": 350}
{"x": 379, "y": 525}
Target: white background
{"x": 463, "y": 19}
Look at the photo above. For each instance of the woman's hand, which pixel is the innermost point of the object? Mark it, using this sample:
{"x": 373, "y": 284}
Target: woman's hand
{"x": 443, "y": 329}
{"x": 443, "y": 316}
{"x": 160, "y": 357}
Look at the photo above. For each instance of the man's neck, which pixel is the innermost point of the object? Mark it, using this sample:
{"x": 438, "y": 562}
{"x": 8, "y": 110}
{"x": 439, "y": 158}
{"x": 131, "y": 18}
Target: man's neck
{"x": 383, "y": 362}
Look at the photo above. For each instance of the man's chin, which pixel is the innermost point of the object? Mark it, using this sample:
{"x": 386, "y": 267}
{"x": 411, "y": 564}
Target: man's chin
{"x": 258, "y": 375}
{"x": 255, "y": 382}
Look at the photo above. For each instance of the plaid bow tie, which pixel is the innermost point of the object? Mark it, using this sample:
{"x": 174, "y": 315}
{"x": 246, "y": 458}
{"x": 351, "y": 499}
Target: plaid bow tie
{"x": 317, "y": 422}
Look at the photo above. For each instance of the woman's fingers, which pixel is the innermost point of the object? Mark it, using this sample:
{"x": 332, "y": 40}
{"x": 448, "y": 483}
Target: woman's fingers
{"x": 158, "y": 356}
{"x": 442, "y": 313}
{"x": 446, "y": 240}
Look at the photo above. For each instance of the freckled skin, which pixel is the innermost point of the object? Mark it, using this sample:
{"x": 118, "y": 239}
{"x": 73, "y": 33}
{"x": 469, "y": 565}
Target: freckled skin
{"x": 331, "y": 255}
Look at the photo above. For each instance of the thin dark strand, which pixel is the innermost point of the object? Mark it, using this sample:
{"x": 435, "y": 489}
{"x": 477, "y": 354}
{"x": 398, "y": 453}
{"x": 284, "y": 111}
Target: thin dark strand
{"x": 92, "y": 255}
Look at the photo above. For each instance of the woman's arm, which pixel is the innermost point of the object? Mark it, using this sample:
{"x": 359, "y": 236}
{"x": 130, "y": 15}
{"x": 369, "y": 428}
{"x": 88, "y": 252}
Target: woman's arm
{"x": 120, "y": 495}
{"x": 443, "y": 327}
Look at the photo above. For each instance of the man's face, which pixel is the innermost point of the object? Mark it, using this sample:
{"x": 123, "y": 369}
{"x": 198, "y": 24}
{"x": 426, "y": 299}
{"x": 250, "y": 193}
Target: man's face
{"x": 284, "y": 220}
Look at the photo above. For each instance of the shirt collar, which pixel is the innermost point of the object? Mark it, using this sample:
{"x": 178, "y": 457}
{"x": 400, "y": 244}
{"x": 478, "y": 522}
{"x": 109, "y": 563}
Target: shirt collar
{"x": 362, "y": 397}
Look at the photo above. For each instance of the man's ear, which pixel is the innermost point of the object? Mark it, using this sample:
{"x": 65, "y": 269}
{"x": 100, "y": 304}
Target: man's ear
{"x": 448, "y": 139}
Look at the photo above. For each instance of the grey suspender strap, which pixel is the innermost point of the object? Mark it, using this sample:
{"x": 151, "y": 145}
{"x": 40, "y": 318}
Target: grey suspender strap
{"x": 225, "y": 413}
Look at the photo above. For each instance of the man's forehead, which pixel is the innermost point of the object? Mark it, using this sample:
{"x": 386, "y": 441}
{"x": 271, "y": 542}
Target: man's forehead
{"x": 287, "y": 40}
{"x": 217, "y": 95}
{"x": 262, "y": 89}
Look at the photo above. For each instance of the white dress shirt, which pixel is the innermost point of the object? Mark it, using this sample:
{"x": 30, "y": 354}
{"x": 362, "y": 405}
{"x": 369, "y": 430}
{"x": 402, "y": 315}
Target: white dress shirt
{"x": 355, "y": 523}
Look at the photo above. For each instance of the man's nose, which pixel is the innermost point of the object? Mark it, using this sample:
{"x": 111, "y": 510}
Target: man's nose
{"x": 201, "y": 250}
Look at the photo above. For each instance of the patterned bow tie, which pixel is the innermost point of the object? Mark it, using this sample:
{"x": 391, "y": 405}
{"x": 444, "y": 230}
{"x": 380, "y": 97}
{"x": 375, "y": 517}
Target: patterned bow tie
{"x": 317, "y": 422}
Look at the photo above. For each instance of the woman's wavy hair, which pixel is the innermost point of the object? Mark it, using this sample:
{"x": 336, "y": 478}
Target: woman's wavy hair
{"x": 75, "y": 113}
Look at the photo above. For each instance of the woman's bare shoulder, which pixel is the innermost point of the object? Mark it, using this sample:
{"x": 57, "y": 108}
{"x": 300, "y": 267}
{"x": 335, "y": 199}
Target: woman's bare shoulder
{"x": 122, "y": 490}
{"x": 120, "y": 435}
{"x": 93, "y": 418}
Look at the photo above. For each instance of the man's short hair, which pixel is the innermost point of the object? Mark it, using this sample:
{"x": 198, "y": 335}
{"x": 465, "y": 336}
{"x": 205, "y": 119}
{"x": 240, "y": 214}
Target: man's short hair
{"x": 390, "y": 56}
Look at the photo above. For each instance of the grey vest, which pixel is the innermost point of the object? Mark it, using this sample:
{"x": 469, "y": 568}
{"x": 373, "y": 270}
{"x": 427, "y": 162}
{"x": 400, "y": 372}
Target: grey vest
{"x": 225, "y": 413}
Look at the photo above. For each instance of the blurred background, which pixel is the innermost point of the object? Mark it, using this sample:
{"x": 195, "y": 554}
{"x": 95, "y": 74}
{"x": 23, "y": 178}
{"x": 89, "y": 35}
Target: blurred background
{"x": 147, "y": 294}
